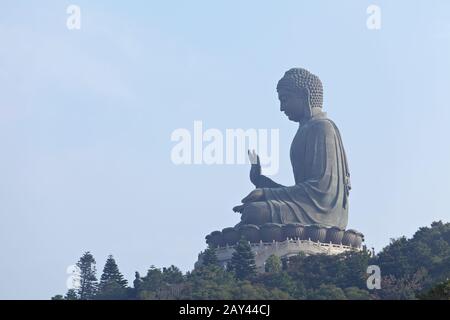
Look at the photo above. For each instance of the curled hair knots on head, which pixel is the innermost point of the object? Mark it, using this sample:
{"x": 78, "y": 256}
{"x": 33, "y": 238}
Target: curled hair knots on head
{"x": 299, "y": 78}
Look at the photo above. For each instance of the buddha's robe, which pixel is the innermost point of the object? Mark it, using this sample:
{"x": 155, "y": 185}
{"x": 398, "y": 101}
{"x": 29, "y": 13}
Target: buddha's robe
{"x": 322, "y": 179}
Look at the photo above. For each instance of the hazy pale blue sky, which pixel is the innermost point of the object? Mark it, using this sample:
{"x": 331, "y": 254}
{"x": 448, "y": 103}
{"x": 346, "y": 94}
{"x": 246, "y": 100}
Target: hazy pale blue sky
{"x": 86, "y": 118}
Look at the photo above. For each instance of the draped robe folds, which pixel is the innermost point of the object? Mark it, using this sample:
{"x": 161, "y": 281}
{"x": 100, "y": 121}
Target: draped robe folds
{"x": 322, "y": 179}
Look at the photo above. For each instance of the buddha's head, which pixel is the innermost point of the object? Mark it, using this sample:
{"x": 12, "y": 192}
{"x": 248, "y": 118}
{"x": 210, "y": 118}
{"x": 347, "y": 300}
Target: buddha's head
{"x": 299, "y": 92}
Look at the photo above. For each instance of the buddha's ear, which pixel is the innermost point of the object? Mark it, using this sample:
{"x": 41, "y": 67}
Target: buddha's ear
{"x": 308, "y": 101}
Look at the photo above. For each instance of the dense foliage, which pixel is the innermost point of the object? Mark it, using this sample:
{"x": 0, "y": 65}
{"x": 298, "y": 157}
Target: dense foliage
{"x": 416, "y": 268}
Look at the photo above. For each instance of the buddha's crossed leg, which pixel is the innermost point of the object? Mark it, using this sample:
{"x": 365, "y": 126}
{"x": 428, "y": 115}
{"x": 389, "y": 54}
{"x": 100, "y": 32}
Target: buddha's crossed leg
{"x": 257, "y": 213}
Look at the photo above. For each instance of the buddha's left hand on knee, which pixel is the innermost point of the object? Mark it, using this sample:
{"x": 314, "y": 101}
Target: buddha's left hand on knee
{"x": 239, "y": 208}
{"x": 255, "y": 195}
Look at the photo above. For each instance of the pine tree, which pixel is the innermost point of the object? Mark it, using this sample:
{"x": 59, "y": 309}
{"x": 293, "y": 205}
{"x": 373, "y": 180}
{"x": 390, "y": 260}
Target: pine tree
{"x": 111, "y": 273}
{"x": 88, "y": 279}
{"x": 243, "y": 261}
{"x": 210, "y": 257}
{"x": 112, "y": 283}
{"x": 71, "y": 295}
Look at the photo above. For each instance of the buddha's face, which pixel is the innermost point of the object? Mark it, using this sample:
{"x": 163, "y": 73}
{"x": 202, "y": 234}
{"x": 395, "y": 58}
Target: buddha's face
{"x": 294, "y": 104}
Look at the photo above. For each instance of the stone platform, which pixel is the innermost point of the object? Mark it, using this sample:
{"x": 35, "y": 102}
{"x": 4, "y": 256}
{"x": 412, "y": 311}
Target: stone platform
{"x": 283, "y": 249}
{"x": 273, "y": 232}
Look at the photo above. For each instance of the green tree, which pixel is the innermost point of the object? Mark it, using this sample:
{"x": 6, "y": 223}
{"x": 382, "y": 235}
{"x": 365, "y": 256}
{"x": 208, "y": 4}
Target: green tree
{"x": 112, "y": 283}
{"x": 354, "y": 293}
{"x": 273, "y": 264}
{"x": 153, "y": 281}
{"x": 246, "y": 290}
{"x": 88, "y": 279}
{"x": 111, "y": 273}
{"x": 172, "y": 275}
{"x": 344, "y": 270}
{"x": 428, "y": 249}
{"x": 71, "y": 295}
{"x": 439, "y": 292}
{"x": 327, "y": 292}
{"x": 210, "y": 283}
{"x": 210, "y": 257}
{"x": 243, "y": 261}
{"x": 403, "y": 288}
{"x": 278, "y": 281}
{"x": 151, "y": 284}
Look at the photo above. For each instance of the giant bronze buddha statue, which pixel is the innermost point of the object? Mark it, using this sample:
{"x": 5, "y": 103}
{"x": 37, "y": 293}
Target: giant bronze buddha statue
{"x": 322, "y": 179}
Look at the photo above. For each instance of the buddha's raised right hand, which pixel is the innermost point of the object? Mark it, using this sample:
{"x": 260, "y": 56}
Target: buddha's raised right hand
{"x": 255, "y": 170}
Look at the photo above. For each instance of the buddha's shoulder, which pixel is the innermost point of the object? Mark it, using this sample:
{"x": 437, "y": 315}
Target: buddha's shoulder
{"x": 322, "y": 124}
